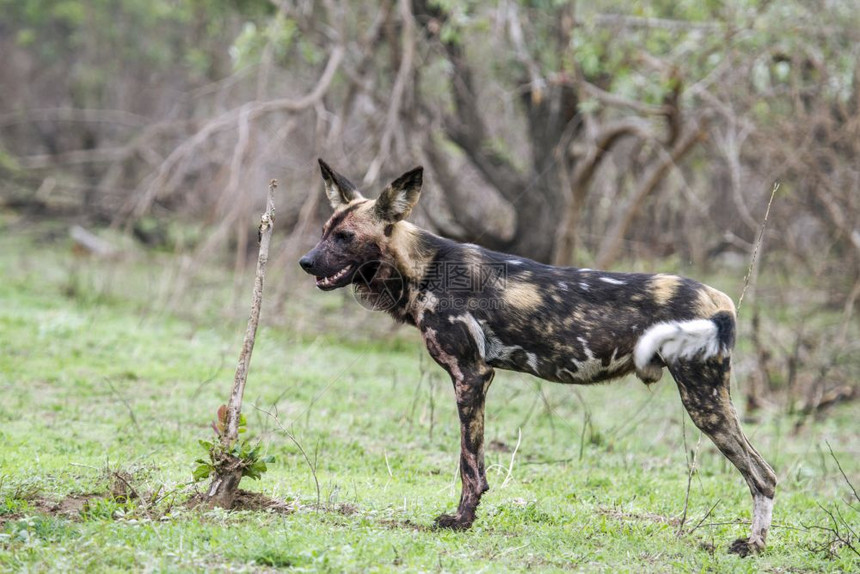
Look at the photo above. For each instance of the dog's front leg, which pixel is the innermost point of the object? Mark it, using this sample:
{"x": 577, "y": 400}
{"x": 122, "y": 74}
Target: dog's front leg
{"x": 454, "y": 347}
{"x": 471, "y": 390}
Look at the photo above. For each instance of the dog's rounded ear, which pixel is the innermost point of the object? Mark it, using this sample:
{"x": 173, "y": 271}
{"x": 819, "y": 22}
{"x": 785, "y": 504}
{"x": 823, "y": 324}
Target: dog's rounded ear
{"x": 397, "y": 200}
{"x": 339, "y": 190}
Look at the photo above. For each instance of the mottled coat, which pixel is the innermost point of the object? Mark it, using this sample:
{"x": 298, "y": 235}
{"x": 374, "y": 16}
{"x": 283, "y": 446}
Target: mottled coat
{"x": 479, "y": 310}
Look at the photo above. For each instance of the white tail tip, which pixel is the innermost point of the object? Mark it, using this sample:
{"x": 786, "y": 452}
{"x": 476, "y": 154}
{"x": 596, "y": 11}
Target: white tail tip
{"x": 676, "y": 340}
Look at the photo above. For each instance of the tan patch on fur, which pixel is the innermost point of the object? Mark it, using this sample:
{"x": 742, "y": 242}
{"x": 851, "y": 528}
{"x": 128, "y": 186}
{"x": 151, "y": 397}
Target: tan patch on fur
{"x": 522, "y": 295}
{"x": 403, "y": 245}
{"x": 421, "y": 303}
{"x": 360, "y": 219}
{"x": 711, "y": 301}
{"x": 363, "y": 221}
{"x": 664, "y": 287}
{"x": 473, "y": 259}
{"x": 576, "y": 320}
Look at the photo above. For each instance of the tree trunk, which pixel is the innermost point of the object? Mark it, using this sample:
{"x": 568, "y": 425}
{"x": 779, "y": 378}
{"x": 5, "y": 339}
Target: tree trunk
{"x": 537, "y": 196}
{"x": 222, "y": 491}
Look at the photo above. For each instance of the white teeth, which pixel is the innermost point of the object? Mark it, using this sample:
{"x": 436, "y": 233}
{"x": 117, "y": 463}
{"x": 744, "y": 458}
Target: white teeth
{"x": 336, "y": 277}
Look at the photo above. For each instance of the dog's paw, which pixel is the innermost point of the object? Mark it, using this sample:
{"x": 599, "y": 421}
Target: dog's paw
{"x": 743, "y": 547}
{"x": 452, "y": 522}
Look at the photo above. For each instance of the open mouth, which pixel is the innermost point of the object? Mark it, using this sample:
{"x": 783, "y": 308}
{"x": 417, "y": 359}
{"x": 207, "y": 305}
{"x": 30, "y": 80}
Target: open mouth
{"x": 339, "y": 279}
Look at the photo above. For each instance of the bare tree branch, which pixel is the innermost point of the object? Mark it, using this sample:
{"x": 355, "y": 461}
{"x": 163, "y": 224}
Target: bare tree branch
{"x": 404, "y": 75}
{"x": 579, "y": 183}
{"x": 617, "y": 101}
{"x": 117, "y": 117}
{"x": 167, "y": 177}
{"x": 664, "y": 23}
{"x": 611, "y": 246}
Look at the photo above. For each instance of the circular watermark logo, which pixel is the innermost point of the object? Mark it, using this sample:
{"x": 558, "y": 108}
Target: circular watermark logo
{"x": 378, "y": 286}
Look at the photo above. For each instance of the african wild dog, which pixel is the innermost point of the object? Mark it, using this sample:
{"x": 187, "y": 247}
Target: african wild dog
{"x": 562, "y": 324}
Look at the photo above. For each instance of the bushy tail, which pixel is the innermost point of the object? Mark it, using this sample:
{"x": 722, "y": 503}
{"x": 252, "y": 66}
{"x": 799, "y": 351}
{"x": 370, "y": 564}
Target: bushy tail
{"x": 696, "y": 339}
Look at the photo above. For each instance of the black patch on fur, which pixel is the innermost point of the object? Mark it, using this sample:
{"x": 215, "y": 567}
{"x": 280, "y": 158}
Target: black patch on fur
{"x": 329, "y": 174}
{"x": 725, "y": 329}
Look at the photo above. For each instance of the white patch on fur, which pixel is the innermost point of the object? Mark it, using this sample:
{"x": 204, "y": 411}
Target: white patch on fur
{"x": 677, "y": 340}
{"x": 562, "y": 285}
{"x": 532, "y": 361}
{"x": 565, "y": 375}
{"x": 583, "y": 285}
{"x": 514, "y": 261}
{"x": 401, "y": 204}
{"x": 762, "y": 514}
{"x": 592, "y": 367}
{"x": 611, "y": 281}
{"x": 495, "y": 349}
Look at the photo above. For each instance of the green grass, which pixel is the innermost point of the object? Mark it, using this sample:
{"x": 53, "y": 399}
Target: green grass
{"x": 98, "y": 379}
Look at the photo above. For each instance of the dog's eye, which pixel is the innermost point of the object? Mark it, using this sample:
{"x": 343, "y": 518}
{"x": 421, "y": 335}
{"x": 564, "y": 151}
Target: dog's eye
{"x": 343, "y": 236}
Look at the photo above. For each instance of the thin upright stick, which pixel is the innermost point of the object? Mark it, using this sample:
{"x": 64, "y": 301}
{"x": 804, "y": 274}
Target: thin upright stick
{"x": 234, "y": 407}
{"x": 228, "y": 474}
{"x": 754, "y": 257}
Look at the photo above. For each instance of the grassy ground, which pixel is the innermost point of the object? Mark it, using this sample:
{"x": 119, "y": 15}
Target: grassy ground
{"x": 105, "y": 396}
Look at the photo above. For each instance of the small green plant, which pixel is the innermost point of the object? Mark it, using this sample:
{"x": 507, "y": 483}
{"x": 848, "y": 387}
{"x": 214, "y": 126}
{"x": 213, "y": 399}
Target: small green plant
{"x": 240, "y": 452}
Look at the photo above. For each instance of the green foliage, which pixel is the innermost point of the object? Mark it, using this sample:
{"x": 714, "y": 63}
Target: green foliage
{"x": 248, "y": 455}
{"x": 97, "y": 42}
{"x": 698, "y": 38}
{"x": 36, "y": 530}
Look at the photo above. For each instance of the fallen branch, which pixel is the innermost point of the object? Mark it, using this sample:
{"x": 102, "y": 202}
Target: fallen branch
{"x": 88, "y": 242}
{"x": 228, "y": 467}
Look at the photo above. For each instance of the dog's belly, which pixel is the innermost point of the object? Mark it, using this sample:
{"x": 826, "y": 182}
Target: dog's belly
{"x": 576, "y": 364}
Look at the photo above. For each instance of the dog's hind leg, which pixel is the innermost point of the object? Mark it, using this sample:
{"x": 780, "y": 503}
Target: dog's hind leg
{"x": 704, "y": 388}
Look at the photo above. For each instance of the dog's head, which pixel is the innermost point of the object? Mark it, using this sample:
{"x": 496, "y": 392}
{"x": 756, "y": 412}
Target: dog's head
{"x": 356, "y": 240}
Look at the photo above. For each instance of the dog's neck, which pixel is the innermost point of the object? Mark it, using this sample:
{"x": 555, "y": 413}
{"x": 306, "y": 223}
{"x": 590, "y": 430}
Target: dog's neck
{"x": 412, "y": 250}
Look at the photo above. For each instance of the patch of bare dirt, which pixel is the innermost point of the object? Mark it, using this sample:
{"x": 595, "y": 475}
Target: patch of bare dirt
{"x": 346, "y": 509}
{"x": 69, "y": 507}
{"x": 246, "y": 500}
{"x": 405, "y": 524}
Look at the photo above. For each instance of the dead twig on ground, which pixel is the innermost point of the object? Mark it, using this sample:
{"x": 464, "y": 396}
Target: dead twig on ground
{"x": 311, "y": 464}
{"x": 691, "y": 466}
{"x": 848, "y": 482}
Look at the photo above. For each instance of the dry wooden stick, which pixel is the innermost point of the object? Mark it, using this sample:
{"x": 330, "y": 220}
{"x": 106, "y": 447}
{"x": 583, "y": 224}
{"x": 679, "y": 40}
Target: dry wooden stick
{"x": 222, "y": 491}
{"x": 234, "y": 407}
{"x": 754, "y": 258}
